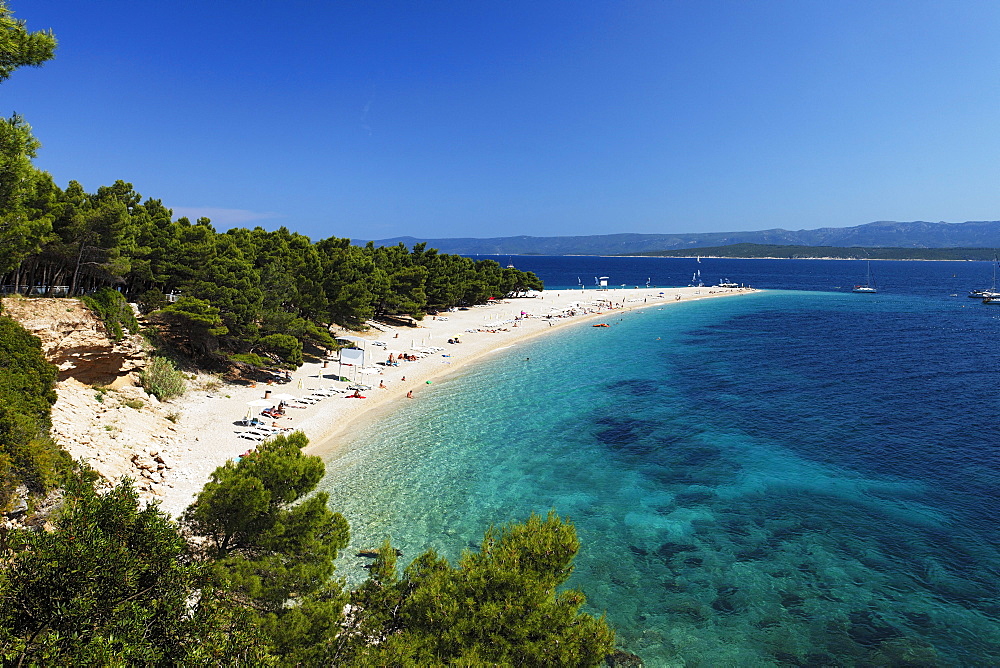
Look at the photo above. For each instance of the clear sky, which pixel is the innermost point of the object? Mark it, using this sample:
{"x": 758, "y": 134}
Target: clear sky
{"x": 374, "y": 119}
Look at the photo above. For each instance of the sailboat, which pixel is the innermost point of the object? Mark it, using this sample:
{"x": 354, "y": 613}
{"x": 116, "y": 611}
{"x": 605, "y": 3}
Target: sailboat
{"x": 991, "y": 296}
{"x": 869, "y": 287}
{"x": 696, "y": 280}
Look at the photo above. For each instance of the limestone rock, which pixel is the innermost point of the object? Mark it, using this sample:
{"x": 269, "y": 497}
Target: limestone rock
{"x": 77, "y": 342}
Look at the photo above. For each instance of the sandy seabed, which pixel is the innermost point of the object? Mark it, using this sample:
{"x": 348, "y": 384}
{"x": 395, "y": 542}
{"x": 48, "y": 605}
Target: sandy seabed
{"x": 207, "y": 430}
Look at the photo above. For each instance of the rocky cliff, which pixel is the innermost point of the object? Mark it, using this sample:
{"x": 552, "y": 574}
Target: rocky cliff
{"x": 77, "y": 342}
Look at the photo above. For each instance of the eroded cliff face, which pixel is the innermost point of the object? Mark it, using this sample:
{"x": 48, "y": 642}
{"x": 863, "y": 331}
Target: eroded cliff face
{"x": 101, "y": 416}
{"x": 76, "y": 341}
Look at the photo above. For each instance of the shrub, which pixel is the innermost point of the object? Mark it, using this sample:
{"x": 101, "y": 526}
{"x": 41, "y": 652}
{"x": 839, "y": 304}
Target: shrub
{"x": 161, "y": 379}
{"x": 135, "y": 403}
{"x": 114, "y": 312}
{"x": 27, "y": 455}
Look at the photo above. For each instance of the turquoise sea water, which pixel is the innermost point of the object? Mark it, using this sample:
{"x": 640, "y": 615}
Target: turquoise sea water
{"x": 784, "y": 478}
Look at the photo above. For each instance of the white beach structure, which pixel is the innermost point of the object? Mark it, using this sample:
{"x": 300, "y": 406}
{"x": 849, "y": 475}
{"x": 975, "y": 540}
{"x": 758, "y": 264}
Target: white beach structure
{"x": 351, "y": 356}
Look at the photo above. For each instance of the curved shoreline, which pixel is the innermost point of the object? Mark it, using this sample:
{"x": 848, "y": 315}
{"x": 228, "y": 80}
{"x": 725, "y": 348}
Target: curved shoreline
{"x": 208, "y": 434}
{"x": 524, "y": 332}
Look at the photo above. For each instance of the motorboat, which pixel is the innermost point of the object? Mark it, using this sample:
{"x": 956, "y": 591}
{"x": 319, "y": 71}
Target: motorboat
{"x": 992, "y": 293}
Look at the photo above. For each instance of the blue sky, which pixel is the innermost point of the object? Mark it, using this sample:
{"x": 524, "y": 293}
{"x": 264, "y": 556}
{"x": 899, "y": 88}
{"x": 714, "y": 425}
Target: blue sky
{"x": 443, "y": 119}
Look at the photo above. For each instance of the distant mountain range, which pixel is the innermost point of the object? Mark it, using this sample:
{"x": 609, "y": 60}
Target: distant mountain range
{"x": 882, "y": 234}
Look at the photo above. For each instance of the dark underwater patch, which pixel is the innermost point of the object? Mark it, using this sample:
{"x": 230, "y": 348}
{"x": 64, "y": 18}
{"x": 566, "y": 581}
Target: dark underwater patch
{"x": 693, "y": 498}
{"x": 669, "y": 550}
{"x": 636, "y": 387}
{"x": 701, "y": 456}
{"x": 625, "y": 434}
{"x": 866, "y": 629}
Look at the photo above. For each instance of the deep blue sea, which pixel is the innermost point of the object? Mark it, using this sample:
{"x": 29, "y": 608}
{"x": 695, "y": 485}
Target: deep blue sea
{"x": 797, "y": 477}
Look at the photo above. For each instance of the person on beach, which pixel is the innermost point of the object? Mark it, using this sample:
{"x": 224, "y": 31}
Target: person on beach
{"x": 381, "y": 385}
{"x": 403, "y": 379}
{"x": 409, "y": 395}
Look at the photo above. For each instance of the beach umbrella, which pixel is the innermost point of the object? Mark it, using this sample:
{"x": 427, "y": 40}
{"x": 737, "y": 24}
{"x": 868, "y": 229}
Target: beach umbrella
{"x": 260, "y": 402}
{"x": 284, "y": 396}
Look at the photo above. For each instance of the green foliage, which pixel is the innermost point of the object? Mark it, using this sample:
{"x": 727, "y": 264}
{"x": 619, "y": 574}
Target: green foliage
{"x": 25, "y": 218}
{"x": 268, "y": 539}
{"x": 20, "y": 48}
{"x": 116, "y": 314}
{"x": 161, "y": 379}
{"x": 499, "y": 606}
{"x": 108, "y": 586}
{"x": 251, "y": 359}
{"x": 113, "y": 584}
{"x": 299, "y": 328}
{"x": 27, "y": 454}
{"x": 287, "y": 348}
{"x": 151, "y": 300}
{"x": 198, "y": 321}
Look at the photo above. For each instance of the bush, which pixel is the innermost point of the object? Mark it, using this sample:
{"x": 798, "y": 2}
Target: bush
{"x": 161, "y": 379}
{"x": 27, "y": 455}
{"x": 114, "y": 312}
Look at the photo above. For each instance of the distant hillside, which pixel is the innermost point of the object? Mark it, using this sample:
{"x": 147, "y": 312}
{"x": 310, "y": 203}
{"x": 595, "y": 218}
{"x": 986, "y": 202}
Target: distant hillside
{"x": 883, "y": 234}
{"x": 839, "y": 252}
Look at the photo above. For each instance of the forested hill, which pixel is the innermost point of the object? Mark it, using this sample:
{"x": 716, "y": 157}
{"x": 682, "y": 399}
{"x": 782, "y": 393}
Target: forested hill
{"x": 834, "y": 252}
{"x": 882, "y": 234}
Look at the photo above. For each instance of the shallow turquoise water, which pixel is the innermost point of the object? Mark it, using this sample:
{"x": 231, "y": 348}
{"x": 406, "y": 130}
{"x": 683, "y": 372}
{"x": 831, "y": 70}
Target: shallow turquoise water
{"x": 784, "y": 478}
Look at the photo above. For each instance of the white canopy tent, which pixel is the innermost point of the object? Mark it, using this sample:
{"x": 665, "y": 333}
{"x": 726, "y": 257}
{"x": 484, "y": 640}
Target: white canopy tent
{"x": 352, "y": 356}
